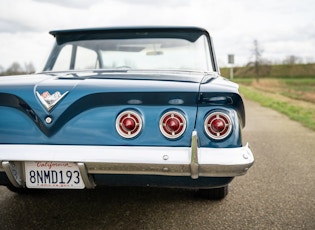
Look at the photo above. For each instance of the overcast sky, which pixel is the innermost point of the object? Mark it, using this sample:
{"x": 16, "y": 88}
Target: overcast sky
{"x": 281, "y": 27}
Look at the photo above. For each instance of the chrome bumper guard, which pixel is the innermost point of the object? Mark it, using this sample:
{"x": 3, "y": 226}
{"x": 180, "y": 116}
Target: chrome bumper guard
{"x": 191, "y": 161}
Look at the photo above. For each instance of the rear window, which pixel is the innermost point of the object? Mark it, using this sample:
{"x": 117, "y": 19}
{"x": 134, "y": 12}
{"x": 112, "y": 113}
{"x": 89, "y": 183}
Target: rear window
{"x": 147, "y": 53}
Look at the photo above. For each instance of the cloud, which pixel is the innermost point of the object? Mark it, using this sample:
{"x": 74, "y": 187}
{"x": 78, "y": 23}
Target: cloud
{"x": 12, "y": 26}
{"x": 82, "y": 4}
{"x": 158, "y": 3}
{"x": 25, "y": 48}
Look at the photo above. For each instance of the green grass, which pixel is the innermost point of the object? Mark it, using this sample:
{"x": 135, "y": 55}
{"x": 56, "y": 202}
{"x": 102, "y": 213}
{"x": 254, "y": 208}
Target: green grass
{"x": 306, "y": 116}
{"x": 302, "y": 84}
{"x": 244, "y": 81}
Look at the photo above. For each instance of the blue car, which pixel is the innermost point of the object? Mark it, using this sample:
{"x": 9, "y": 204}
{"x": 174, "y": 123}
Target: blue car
{"x": 140, "y": 106}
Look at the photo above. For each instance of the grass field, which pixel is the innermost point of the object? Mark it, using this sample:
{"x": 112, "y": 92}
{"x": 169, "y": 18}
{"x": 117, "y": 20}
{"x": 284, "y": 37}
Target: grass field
{"x": 302, "y": 89}
{"x": 294, "y": 97}
{"x": 273, "y": 71}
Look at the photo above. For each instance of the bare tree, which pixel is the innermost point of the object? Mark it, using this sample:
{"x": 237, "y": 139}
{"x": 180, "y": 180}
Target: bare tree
{"x": 29, "y": 68}
{"x": 1, "y": 70}
{"x": 257, "y": 52}
{"x": 15, "y": 68}
{"x": 292, "y": 59}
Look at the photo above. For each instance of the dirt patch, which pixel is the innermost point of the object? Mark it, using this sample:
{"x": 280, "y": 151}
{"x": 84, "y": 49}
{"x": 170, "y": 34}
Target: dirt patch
{"x": 268, "y": 85}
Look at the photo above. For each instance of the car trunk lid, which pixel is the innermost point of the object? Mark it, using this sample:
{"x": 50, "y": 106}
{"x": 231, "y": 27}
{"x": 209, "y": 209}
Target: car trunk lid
{"x": 82, "y": 108}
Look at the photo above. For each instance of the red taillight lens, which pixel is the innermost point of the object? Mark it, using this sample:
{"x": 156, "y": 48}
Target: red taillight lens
{"x": 218, "y": 125}
{"x": 172, "y": 124}
{"x": 128, "y": 124}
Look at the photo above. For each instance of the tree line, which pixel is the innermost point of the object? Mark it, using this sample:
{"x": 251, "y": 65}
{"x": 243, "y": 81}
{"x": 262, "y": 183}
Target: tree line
{"x": 17, "y": 69}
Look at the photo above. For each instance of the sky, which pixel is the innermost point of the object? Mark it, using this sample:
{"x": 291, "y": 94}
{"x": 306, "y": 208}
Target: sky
{"x": 282, "y": 27}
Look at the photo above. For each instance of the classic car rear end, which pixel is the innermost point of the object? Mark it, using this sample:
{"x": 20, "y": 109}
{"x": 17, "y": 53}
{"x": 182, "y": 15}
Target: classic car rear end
{"x": 124, "y": 107}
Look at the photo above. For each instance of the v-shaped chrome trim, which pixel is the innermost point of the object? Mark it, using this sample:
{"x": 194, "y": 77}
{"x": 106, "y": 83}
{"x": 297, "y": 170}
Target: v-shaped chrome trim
{"x": 50, "y": 100}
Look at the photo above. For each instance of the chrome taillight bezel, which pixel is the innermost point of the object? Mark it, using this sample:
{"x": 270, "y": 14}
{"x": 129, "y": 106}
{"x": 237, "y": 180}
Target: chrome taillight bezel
{"x": 176, "y": 116}
{"x": 224, "y": 120}
{"x": 123, "y": 130}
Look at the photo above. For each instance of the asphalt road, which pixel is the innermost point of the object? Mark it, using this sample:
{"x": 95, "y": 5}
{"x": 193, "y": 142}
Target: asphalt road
{"x": 277, "y": 193}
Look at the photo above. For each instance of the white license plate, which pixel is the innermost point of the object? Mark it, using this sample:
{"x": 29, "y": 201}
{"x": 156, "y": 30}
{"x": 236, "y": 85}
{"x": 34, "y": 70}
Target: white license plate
{"x": 53, "y": 175}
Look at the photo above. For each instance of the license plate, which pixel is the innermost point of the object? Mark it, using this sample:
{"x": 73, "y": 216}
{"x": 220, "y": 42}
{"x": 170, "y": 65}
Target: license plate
{"x": 53, "y": 175}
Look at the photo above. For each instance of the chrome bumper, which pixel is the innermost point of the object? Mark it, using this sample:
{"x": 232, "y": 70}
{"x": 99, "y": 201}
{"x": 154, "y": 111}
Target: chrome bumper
{"x": 166, "y": 161}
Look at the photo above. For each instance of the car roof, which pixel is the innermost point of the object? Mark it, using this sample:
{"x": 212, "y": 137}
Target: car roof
{"x": 128, "y": 29}
{"x": 182, "y": 32}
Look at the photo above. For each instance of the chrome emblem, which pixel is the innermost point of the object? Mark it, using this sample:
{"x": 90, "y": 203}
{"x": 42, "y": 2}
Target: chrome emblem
{"x": 50, "y": 100}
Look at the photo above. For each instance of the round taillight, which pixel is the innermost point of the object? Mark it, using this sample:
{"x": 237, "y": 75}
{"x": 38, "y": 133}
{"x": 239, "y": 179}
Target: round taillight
{"x": 128, "y": 124}
{"x": 218, "y": 125}
{"x": 172, "y": 124}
